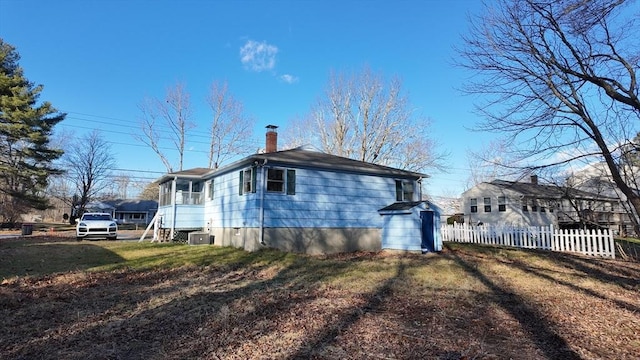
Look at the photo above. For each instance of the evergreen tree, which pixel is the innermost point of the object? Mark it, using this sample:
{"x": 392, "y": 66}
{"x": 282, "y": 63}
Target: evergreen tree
{"x": 26, "y": 155}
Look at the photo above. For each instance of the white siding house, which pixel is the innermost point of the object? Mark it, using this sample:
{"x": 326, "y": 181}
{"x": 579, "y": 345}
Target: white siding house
{"x": 298, "y": 200}
{"x": 532, "y": 204}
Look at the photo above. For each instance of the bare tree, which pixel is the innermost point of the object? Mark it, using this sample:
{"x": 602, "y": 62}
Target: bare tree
{"x": 366, "y": 118}
{"x": 150, "y": 192}
{"x": 485, "y": 165}
{"x": 230, "y": 128}
{"x": 559, "y": 79}
{"x": 167, "y": 119}
{"x": 629, "y": 162}
{"x": 89, "y": 162}
{"x": 60, "y": 190}
{"x": 120, "y": 184}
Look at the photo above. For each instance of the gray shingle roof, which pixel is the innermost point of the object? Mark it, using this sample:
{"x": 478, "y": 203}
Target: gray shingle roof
{"x": 195, "y": 172}
{"x": 302, "y": 157}
{"x": 133, "y": 205}
{"x": 407, "y": 205}
{"x": 542, "y": 191}
{"x": 315, "y": 159}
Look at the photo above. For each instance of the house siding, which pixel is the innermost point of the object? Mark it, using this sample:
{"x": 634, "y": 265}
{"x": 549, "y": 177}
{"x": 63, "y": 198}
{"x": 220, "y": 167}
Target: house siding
{"x": 404, "y": 229}
{"x": 513, "y": 213}
{"x": 330, "y": 211}
{"x": 402, "y": 232}
{"x": 228, "y": 209}
{"x": 330, "y": 200}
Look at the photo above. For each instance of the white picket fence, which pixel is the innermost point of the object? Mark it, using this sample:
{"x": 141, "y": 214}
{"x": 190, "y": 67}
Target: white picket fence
{"x": 587, "y": 242}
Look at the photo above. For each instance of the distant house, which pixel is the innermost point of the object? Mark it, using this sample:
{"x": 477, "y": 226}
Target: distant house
{"x": 298, "y": 200}
{"x": 127, "y": 211}
{"x": 534, "y": 204}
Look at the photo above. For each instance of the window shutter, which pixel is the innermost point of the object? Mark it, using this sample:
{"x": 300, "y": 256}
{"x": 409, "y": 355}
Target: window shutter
{"x": 291, "y": 182}
{"x": 241, "y": 183}
{"x": 398, "y": 190}
{"x": 254, "y": 176}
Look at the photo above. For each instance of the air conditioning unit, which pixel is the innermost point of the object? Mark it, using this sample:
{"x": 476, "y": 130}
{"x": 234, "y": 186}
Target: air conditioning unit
{"x": 200, "y": 238}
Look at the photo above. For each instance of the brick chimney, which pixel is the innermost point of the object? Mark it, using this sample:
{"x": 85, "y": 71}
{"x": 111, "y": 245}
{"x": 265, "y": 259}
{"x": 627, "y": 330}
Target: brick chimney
{"x": 272, "y": 139}
{"x": 534, "y": 179}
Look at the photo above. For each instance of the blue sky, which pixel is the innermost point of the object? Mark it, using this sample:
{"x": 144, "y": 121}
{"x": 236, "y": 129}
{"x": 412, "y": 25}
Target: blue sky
{"x": 98, "y": 60}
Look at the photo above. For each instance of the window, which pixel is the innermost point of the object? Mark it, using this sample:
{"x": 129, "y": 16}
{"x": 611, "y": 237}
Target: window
{"x": 474, "y": 205}
{"x": 534, "y": 205}
{"x": 404, "y": 190}
{"x": 291, "y": 182}
{"x": 487, "y": 204}
{"x": 196, "y": 187}
{"x": 182, "y": 185}
{"x": 210, "y": 189}
{"x": 278, "y": 182}
{"x": 275, "y": 180}
{"x": 524, "y": 205}
{"x": 165, "y": 194}
{"x": 502, "y": 203}
{"x": 247, "y": 181}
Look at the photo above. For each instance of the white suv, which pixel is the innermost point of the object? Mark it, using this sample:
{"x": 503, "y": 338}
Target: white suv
{"x": 97, "y": 225}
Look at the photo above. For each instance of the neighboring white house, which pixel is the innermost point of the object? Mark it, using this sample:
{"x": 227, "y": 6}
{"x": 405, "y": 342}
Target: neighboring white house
{"x": 534, "y": 204}
{"x": 299, "y": 200}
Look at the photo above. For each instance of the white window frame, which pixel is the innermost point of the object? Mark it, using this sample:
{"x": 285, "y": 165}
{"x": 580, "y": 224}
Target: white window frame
{"x": 473, "y": 205}
{"x": 502, "y": 203}
{"x": 487, "y": 204}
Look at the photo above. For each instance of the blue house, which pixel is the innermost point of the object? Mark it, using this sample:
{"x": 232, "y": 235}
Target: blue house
{"x": 298, "y": 200}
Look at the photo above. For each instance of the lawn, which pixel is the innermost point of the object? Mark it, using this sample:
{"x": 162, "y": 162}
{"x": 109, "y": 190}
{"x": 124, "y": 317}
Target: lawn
{"x": 62, "y": 299}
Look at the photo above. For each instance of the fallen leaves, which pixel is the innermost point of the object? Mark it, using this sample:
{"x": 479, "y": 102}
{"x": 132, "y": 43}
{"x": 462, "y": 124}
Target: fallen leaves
{"x": 318, "y": 308}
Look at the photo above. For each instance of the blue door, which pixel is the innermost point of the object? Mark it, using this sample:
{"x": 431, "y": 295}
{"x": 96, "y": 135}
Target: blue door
{"x": 428, "y": 236}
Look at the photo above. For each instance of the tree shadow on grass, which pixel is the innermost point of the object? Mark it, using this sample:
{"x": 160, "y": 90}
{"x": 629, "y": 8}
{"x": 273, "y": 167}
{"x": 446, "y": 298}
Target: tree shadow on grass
{"x": 532, "y": 321}
{"x": 265, "y": 305}
{"x": 39, "y": 259}
{"x": 540, "y": 273}
{"x": 145, "y": 319}
{"x": 602, "y": 270}
{"x": 373, "y": 303}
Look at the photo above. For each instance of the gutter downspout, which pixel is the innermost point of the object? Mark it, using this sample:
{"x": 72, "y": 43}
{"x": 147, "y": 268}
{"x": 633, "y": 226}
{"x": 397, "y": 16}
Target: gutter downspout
{"x": 262, "y": 191}
{"x": 174, "y": 206}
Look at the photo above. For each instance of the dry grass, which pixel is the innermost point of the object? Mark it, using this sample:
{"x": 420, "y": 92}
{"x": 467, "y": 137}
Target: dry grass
{"x": 148, "y": 301}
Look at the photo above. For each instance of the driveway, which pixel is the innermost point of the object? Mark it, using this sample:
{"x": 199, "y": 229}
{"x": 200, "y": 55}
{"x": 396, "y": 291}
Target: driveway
{"x": 125, "y": 235}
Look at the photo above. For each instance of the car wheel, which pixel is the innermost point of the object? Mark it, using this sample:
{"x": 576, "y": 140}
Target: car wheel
{"x": 112, "y": 238}
{"x": 78, "y": 238}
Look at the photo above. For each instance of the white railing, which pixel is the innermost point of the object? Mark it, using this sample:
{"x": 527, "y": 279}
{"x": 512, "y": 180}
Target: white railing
{"x": 587, "y": 242}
